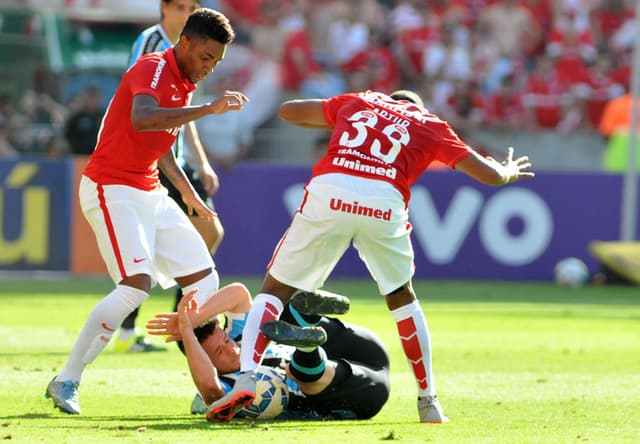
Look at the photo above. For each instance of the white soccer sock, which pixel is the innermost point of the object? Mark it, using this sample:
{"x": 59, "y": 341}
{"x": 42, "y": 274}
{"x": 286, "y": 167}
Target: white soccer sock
{"x": 206, "y": 286}
{"x": 416, "y": 343}
{"x": 265, "y": 308}
{"x": 103, "y": 320}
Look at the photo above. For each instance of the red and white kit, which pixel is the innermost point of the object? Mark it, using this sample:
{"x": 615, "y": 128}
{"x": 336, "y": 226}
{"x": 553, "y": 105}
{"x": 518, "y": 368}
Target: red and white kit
{"x": 360, "y": 191}
{"x": 140, "y": 229}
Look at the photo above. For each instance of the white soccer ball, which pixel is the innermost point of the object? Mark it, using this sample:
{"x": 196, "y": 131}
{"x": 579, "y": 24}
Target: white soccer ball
{"x": 272, "y": 395}
{"x": 571, "y": 272}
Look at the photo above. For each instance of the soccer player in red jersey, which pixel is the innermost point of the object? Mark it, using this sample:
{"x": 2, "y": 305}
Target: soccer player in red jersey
{"x": 189, "y": 154}
{"x": 143, "y": 236}
{"x": 359, "y": 193}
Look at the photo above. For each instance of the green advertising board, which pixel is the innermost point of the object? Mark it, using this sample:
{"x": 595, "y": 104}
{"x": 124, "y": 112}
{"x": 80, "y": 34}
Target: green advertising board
{"x": 88, "y": 46}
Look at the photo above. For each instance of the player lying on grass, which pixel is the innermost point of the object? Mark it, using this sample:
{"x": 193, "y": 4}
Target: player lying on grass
{"x": 334, "y": 370}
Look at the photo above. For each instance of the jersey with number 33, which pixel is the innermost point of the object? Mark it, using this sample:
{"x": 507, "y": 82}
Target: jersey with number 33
{"x": 379, "y": 138}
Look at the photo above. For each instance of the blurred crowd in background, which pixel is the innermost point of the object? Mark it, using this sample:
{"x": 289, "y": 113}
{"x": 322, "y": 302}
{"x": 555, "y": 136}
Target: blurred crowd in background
{"x": 502, "y": 65}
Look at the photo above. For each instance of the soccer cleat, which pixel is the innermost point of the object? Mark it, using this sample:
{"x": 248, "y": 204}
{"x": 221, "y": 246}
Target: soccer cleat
{"x": 284, "y": 333}
{"x": 198, "y": 406}
{"x": 64, "y": 395}
{"x": 320, "y": 302}
{"x": 241, "y": 395}
{"x": 136, "y": 344}
{"x": 430, "y": 410}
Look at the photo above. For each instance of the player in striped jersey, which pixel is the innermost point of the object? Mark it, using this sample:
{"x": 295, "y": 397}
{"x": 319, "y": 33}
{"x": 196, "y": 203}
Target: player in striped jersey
{"x": 335, "y": 370}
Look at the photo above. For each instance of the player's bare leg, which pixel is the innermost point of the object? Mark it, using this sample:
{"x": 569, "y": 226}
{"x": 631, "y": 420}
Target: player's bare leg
{"x": 211, "y": 231}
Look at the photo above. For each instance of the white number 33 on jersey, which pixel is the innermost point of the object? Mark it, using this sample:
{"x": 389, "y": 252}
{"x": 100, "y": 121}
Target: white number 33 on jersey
{"x": 362, "y": 121}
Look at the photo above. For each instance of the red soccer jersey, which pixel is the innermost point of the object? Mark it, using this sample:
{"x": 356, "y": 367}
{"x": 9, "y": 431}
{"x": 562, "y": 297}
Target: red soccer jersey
{"x": 602, "y": 88}
{"x": 546, "y": 95}
{"x": 413, "y": 41}
{"x": 504, "y": 108}
{"x": 378, "y": 138}
{"x": 123, "y": 155}
{"x": 384, "y": 74}
{"x": 297, "y": 51}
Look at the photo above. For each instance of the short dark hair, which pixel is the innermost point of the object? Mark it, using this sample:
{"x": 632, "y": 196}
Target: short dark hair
{"x": 208, "y": 23}
{"x": 405, "y": 94}
{"x": 202, "y": 332}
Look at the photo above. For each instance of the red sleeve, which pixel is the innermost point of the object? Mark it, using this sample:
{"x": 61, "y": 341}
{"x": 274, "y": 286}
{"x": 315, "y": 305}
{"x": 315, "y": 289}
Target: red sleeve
{"x": 331, "y": 106}
{"x": 141, "y": 76}
{"x": 451, "y": 149}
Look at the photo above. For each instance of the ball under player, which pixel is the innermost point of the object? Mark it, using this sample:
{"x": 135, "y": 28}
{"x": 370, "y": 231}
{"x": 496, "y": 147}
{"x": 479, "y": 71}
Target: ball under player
{"x": 142, "y": 234}
{"x": 159, "y": 37}
{"x": 335, "y": 370}
{"x": 359, "y": 193}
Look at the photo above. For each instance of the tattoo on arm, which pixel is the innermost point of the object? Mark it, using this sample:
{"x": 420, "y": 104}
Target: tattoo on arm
{"x": 147, "y": 115}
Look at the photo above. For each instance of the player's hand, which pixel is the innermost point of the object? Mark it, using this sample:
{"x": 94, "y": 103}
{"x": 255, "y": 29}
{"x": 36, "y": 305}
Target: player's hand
{"x": 230, "y": 100}
{"x": 519, "y": 168}
{"x": 195, "y": 205}
{"x": 169, "y": 324}
{"x": 187, "y": 311}
{"x": 209, "y": 179}
{"x": 512, "y": 170}
{"x": 164, "y": 324}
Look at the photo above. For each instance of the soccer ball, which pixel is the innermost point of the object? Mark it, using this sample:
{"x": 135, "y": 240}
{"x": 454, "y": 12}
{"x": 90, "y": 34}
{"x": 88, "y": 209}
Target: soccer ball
{"x": 272, "y": 395}
{"x": 571, "y": 272}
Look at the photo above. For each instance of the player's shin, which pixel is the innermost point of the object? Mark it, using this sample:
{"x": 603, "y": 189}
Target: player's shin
{"x": 265, "y": 308}
{"x": 308, "y": 365}
{"x": 105, "y": 318}
{"x": 416, "y": 343}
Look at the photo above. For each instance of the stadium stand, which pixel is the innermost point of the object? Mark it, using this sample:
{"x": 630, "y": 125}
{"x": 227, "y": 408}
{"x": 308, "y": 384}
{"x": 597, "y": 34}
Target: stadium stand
{"x": 561, "y": 62}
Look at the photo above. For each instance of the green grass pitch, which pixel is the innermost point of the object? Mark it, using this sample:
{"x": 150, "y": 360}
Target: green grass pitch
{"x": 514, "y": 363}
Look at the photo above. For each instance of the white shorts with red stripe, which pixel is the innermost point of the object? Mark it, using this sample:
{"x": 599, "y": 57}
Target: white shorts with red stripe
{"x": 142, "y": 232}
{"x": 336, "y": 210}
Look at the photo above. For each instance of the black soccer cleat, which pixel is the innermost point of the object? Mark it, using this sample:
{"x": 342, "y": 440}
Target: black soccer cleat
{"x": 284, "y": 333}
{"x": 320, "y": 302}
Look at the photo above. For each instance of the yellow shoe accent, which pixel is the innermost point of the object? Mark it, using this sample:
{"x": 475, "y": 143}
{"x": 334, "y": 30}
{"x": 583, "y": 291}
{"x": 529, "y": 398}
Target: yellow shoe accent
{"x": 123, "y": 345}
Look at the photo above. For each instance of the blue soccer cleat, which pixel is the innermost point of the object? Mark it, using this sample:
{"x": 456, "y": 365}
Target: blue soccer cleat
{"x": 198, "y": 406}
{"x": 64, "y": 395}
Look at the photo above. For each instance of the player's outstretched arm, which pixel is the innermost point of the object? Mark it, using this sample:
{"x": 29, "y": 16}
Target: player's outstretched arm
{"x": 489, "y": 171}
{"x": 306, "y": 113}
{"x": 148, "y": 115}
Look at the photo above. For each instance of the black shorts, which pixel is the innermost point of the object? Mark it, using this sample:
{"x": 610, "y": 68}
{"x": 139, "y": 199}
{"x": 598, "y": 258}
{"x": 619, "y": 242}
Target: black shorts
{"x": 361, "y": 386}
{"x": 192, "y": 176}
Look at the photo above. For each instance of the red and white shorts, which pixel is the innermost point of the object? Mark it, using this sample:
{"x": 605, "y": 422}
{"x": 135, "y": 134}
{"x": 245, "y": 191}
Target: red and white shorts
{"x": 336, "y": 210}
{"x": 142, "y": 232}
